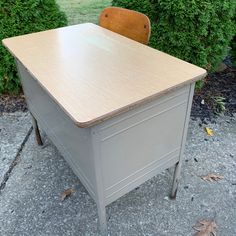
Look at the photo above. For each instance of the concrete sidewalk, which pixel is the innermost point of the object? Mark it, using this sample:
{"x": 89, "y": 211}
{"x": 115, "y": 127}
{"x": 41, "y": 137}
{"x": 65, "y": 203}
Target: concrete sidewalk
{"x": 32, "y": 179}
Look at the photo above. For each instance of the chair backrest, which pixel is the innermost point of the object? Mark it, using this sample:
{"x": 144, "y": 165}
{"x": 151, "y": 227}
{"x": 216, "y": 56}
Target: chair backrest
{"x": 131, "y": 24}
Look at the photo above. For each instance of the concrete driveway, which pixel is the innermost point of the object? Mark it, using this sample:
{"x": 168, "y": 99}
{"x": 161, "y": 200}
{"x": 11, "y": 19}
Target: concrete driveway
{"x": 32, "y": 179}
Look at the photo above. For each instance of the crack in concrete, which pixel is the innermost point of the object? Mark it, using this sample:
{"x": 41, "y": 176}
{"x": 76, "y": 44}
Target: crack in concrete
{"x": 15, "y": 161}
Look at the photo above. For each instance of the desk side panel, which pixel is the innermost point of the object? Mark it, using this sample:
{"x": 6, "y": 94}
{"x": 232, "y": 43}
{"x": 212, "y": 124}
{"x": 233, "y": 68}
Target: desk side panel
{"x": 141, "y": 143}
{"x": 74, "y": 143}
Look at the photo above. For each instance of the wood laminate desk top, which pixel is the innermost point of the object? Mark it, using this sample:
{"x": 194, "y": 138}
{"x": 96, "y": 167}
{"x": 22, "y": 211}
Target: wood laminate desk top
{"x": 95, "y": 74}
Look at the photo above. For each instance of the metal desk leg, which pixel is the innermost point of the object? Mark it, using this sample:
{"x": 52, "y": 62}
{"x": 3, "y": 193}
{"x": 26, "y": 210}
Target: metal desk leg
{"x": 100, "y": 201}
{"x": 176, "y": 180}
{"x": 102, "y": 219}
{"x": 184, "y": 136}
{"x": 36, "y": 130}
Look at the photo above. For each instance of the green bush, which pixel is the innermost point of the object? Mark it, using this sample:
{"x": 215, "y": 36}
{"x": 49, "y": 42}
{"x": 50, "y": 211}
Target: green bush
{"x": 233, "y": 50}
{"x": 233, "y": 44}
{"x": 196, "y": 31}
{"x": 22, "y": 17}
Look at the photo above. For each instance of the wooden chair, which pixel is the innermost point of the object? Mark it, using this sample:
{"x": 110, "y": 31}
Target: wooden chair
{"x": 131, "y": 24}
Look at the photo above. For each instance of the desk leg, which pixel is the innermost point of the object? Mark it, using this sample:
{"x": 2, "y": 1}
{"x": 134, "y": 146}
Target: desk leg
{"x": 176, "y": 180}
{"x": 36, "y": 130}
{"x": 179, "y": 163}
{"x": 102, "y": 219}
{"x": 100, "y": 198}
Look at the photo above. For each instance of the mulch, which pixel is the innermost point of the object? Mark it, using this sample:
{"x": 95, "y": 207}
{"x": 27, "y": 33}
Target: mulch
{"x": 219, "y": 84}
{"x": 12, "y": 103}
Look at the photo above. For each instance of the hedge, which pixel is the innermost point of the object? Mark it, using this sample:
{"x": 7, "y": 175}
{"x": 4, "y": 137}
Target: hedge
{"x": 22, "y": 17}
{"x": 196, "y": 31}
{"x": 233, "y": 50}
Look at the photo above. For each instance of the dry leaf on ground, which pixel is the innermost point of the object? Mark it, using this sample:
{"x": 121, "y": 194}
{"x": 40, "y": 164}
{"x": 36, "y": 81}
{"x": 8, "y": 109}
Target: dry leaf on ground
{"x": 212, "y": 177}
{"x": 67, "y": 193}
{"x": 209, "y": 131}
{"x": 205, "y": 228}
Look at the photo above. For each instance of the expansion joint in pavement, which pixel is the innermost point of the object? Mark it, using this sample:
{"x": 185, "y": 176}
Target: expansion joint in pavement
{"x": 15, "y": 161}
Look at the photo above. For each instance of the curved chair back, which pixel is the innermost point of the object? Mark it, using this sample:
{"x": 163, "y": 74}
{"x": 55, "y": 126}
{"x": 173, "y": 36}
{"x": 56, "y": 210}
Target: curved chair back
{"x": 131, "y": 24}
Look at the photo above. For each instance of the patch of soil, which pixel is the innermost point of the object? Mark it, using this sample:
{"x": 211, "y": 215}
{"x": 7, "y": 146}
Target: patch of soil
{"x": 12, "y": 103}
{"x": 219, "y": 86}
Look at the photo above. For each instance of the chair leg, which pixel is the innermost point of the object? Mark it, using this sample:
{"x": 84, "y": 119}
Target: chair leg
{"x": 175, "y": 181}
{"x": 36, "y": 131}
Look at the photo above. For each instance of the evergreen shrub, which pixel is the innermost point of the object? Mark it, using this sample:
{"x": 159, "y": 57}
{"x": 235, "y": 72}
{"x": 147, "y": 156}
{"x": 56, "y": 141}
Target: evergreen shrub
{"x": 196, "y": 31}
{"x": 19, "y": 17}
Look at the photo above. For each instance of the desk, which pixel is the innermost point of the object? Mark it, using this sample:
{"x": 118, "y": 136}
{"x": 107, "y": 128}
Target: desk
{"x": 117, "y": 110}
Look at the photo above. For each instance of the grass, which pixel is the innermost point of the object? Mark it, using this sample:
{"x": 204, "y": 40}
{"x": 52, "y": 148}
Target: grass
{"x": 80, "y": 11}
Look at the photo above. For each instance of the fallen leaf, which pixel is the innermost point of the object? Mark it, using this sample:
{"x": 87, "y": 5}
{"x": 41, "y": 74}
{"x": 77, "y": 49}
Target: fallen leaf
{"x": 205, "y": 228}
{"x": 212, "y": 177}
{"x": 209, "y": 131}
{"x": 67, "y": 193}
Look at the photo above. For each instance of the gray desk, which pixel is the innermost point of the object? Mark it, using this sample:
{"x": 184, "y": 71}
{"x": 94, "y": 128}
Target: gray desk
{"x": 117, "y": 110}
